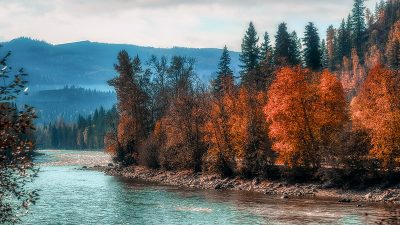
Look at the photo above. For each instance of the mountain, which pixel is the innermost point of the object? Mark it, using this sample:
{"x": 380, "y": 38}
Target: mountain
{"x": 67, "y": 103}
{"x": 90, "y": 64}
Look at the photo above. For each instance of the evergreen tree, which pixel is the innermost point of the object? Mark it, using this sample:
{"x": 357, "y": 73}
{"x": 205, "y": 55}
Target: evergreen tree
{"x": 312, "y": 52}
{"x": 267, "y": 63}
{"x": 266, "y": 50}
{"x": 282, "y": 45}
{"x": 331, "y": 47}
{"x": 343, "y": 42}
{"x": 250, "y": 54}
{"x": 358, "y": 24}
{"x": 294, "y": 49}
{"x": 324, "y": 57}
{"x": 224, "y": 73}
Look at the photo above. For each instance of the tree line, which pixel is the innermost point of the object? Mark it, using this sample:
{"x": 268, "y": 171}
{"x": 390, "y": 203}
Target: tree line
{"x": 301, "y": 109}
{"x": 86, "y": 133}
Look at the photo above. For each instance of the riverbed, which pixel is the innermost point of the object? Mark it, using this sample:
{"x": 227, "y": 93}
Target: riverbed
{"x": 70, "y": 195}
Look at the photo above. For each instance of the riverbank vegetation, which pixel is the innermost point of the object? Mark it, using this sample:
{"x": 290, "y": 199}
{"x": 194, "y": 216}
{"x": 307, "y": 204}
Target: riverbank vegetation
{"x": 301, "y": 110}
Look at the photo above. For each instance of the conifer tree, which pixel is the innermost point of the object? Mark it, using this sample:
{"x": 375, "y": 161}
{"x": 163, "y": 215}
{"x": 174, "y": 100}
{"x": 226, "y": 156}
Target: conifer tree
{"x": 312, "y": 52}
{"x": 358, "y": 24}
{"x": 282, "y": 45}
{"x": 266, "y": 49}
{"x": 267, "y": 62}
{"x": 250, "y": 54}
{"x": 295, "y": 47}
{"x": 224, "y": 73}
{"x": 330, "y": 47}
{"x": 324, "y": 57}
{"x": 344, "y": 42}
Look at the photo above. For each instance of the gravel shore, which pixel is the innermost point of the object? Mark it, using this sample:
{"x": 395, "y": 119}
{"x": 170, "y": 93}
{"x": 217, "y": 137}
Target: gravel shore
{"x": 212, "y": 181}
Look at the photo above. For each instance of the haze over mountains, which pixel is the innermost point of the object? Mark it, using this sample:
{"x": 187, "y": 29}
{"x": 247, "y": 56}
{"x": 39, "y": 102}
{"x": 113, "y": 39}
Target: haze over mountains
{"x": 90, "y": 64}
{"x": 58, "y": 73}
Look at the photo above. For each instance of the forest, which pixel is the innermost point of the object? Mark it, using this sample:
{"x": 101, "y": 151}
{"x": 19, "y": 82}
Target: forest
{"x": 84, "y": 133}
{"x": 302, "y": 109}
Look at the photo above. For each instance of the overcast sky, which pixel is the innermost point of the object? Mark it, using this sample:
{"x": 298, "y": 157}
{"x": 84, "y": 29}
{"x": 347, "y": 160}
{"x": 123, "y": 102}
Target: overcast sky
{"x": 163, "y": 23}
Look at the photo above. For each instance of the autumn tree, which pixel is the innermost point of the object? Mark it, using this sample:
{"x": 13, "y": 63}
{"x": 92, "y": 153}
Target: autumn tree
{"x": 377, "y": 110}
{"x": 254, "y": 155}
{"x": 218, "y": 127}
{"x": 133, "y": 108}
{"x": 332, "y": 117}
{"x": 184, "y": 119}
{"x": 307, "y": 113}
{"x": 16, "y": 146}
{"x": 290, "y": 111}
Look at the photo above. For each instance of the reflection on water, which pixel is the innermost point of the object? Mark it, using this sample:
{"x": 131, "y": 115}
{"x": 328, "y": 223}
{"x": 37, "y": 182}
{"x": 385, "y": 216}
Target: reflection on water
{"x": 73, "y": 196}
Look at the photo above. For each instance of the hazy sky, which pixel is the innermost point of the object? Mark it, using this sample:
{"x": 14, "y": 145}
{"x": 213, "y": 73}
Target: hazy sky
{"x": 163, "y": 23}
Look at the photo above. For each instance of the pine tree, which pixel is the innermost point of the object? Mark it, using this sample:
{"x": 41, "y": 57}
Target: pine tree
{"x": 266, "y": 50}
{"x": 282, "y": 45}
{"x": 324, "y": 57}
{"x": 224, "y": 74}
{"x": 358, "y": 24}
{"x": 343, "y": 42}
{"x": 250, "y": 54}
{"x": 330, "y": 47}
{"x": 267, "y": 63}
{"x": 295, "y": 47}
{"x": 312, "y": 52}
{"x": 393, "y": 47}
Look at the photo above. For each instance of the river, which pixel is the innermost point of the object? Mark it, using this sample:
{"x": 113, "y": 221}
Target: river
{"x": 70, "y": 195}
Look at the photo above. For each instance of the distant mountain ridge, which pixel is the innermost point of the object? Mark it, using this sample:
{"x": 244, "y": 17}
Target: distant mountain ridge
{"x": 90, "y": 64}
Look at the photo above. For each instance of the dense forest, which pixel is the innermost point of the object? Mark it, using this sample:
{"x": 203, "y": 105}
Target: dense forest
{"x": 302, "y": 109}
{"x": 84, "y": 133}
{"x": 50, "y": 105}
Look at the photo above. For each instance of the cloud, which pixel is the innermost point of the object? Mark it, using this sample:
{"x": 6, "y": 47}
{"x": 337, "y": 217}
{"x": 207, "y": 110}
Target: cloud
{"x": 162, "y": 23}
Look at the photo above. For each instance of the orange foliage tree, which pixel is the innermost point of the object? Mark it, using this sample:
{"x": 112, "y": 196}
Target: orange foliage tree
{"x": 133, "y": 109}
{"x": 377, "y": 110}
{"x": 306, "y": 113}
{"x": 236, "y": 132}
{"x": 332, "y": 118}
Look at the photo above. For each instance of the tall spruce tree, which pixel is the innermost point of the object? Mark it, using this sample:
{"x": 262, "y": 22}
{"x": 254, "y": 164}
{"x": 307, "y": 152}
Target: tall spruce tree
{"x": 249, "y": 57}
{"x": 358, "y": 24}
{"x": 295, "y": 47}
{"x": 282, "y": 45}
{"x": 324, "y": 56}
{"x": 343, "y": 42}
{"x": 266, "y": 49}
{"x": 224, "y": 77}
{"x": 312, "y": 52}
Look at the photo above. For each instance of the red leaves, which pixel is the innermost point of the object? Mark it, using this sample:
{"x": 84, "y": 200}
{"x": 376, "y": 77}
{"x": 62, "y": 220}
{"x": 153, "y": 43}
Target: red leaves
{"x": 377, "y": 110}
{"x": 301, "y": 109}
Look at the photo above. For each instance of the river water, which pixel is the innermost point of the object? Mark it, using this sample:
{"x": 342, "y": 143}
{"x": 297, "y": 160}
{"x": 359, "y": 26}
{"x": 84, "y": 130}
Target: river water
{"x": 70, "y": 195}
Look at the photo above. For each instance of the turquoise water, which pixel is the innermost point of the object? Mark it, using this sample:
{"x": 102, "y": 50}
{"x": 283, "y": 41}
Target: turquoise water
{"x": 73, "y": 196}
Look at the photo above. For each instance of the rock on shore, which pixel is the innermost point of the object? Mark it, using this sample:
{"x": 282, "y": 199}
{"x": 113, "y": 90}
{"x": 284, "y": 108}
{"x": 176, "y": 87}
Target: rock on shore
{"x": 213, "y": 181}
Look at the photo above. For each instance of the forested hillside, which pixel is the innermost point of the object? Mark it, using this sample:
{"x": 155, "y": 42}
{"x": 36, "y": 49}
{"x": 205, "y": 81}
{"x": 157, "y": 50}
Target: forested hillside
{"x": 303, "y": 109}
{"x": 89, "y": 64}
{"x": 67, "y": 103}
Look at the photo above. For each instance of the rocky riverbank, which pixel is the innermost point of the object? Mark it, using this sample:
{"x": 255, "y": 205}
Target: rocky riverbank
{"x": 212, "y": 181}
